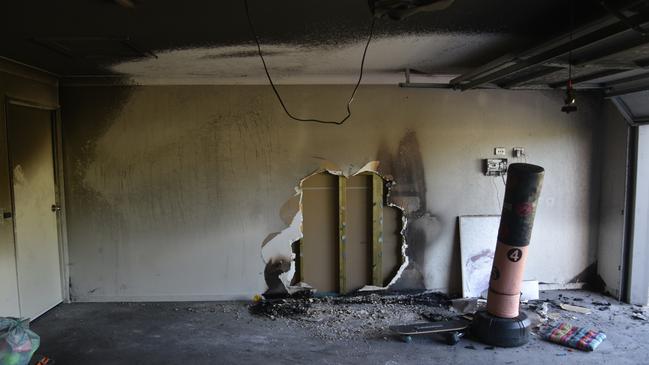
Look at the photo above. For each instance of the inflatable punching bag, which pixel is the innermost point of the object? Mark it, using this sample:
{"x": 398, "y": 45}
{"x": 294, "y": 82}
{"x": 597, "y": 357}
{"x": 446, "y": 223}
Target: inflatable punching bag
{"x": 502, "y": 324}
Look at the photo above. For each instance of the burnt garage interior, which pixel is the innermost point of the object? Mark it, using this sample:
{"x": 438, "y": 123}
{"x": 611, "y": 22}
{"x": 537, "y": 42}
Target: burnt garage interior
{"x": 284, "y": 182}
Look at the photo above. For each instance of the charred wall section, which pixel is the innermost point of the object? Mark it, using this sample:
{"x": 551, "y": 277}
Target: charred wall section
{"x": 173, "y": 188}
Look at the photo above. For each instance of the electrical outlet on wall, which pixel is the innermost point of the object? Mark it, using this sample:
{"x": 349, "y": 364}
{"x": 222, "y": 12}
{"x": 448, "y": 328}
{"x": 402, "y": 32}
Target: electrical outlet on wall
{"x": 500, "y": 151}
{"x": 518, "y": 152}
{"x": 495, "y": 166}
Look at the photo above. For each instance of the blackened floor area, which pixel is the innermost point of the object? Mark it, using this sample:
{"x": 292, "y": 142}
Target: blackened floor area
{"x": 226, "y": 333}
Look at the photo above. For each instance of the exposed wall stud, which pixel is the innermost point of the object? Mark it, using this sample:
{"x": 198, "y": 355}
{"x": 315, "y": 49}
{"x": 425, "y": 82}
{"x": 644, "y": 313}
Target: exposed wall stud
{"x": 342, "y": 233}
{"x": 300, "y": 259}
{"x": 377, "y": 230}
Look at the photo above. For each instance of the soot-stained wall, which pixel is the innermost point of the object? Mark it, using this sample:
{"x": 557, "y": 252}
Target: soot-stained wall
{"x": 171, "y": 190}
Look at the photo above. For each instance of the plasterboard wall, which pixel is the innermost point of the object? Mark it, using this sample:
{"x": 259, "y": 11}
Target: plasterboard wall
{"x": 320, "y": 229}
{"x": 172, "y": 189}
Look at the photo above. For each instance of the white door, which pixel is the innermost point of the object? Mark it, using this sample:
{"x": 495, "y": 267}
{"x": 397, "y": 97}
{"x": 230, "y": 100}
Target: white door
{"x": 639, "y": 272}
{"x": 29, "y": 132}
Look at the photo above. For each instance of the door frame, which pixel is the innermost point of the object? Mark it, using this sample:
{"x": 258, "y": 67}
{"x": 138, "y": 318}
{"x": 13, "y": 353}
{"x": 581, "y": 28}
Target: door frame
{"x": 59, "y": 183}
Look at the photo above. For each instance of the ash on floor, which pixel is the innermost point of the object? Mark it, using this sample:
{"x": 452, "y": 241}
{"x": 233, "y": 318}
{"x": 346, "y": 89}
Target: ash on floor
{"x": 360, "y": 315}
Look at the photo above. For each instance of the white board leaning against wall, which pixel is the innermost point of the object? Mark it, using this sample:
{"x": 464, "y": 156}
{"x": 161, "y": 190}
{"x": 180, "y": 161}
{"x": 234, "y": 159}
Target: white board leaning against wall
{"x": 478, "y": 235}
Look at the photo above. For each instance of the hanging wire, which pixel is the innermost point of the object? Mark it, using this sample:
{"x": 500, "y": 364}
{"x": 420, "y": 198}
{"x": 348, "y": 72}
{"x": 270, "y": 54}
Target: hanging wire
{"x": 572, "y": 29}
{"x": 493, "y": 182}
{"x": 279, "y": 98}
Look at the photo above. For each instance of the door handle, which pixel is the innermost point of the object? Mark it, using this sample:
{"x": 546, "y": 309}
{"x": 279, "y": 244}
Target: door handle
{"x": 55, "y": 208}
{"x": 4, "y": 215}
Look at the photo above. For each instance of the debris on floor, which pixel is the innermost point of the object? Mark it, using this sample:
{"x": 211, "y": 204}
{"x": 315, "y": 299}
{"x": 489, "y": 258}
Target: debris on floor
{"x": 572, "y": 336}
{"x": 369, "y": 314}
{"x": 602, "y": 306}
{"x": 542, "y": 310}
{"x": 574, "y": 308}
{"x": 44, "y": 360}
{"x": 467, "y": 305}
{"x": 281, "y": 307}
{"x": 638, "y": 314}
{"x": 539, "y": 312}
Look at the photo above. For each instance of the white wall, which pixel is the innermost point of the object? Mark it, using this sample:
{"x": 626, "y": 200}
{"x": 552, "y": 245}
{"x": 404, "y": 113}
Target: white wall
{"x": 639, "y": 272}
{"x": 613, "y": 154}
{"x": 172, "y": 189}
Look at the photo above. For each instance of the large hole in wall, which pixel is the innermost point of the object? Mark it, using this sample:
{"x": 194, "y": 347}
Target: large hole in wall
{"x": 344, "y": 237}
{"x": 317, "y": 256}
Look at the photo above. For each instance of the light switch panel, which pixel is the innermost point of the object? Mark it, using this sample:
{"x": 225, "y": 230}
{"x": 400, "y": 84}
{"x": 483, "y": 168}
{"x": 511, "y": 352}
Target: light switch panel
{"x": 518, "y": 152}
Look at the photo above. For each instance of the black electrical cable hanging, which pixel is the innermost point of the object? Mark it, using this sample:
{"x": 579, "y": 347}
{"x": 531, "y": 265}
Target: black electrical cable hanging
{"x": 279, "y": 98}
{"x": 572, "y": 30}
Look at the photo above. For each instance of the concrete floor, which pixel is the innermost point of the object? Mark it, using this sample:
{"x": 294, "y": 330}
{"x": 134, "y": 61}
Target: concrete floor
{"x": 226, "y": 333}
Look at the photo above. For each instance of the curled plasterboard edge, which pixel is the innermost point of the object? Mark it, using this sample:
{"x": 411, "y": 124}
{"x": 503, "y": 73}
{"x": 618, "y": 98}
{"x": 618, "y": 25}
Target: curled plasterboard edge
{"x": 372, "y": 166}
{"x": 294, "y": 232}
{"x": 404, "y": 244}
{"x": 325, "y": 165}
{"x": 281, "y": 243}
{"x": 281, "y": 246}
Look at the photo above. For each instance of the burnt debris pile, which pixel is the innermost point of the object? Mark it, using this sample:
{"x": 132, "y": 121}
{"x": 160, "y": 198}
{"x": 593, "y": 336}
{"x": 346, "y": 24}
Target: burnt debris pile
{"x": 301, "y": 305}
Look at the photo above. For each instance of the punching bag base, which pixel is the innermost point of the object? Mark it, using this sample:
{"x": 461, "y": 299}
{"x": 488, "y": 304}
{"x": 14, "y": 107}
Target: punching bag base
{"x": 501, "y": 332}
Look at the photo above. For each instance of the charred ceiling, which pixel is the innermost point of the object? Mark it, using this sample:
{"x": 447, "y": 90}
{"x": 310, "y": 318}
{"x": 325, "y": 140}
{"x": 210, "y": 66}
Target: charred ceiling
{"x": 36, "y": 29}
{"x": 463, "y": 45}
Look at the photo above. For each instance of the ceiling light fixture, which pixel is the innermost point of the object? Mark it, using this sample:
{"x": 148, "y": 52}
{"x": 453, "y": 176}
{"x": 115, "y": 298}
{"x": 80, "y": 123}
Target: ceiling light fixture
{"x": 570, "y": 102}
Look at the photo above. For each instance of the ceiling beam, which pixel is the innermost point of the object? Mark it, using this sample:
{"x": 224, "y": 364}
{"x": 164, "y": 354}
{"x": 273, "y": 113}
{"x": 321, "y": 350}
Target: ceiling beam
{"x": 584, "y": 37}
{"x": 611, "y": 51}
{"x": 498, "y": 63}
{"x": 642, "y": 63}
{"x": 586, "y": 78}
{"x": 627, "y": 79}
{"x": 617, "y": 65}
{"x": 620, "y": 15}
{"x": 515, "y": 81}
{"x": 626, "y": 91}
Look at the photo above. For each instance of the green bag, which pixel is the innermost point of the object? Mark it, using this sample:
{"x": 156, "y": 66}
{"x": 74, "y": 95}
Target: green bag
{"x": 17, "y": 342}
